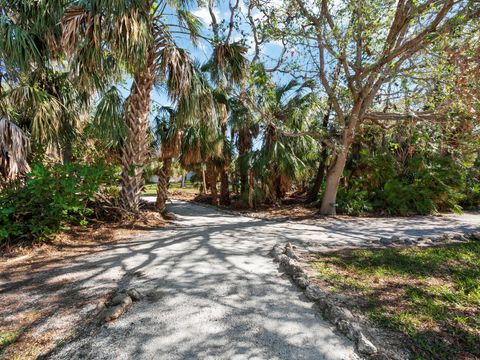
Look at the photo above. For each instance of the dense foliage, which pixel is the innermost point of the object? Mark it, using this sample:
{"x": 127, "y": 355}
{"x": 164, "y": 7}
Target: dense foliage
{"x": 51, "y": 198}
{"x": 375, "y": 102}
{"x": 422, "y": 185}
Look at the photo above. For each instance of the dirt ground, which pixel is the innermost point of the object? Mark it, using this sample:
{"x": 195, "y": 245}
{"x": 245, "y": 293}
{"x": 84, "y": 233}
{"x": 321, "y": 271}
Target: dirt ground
{"x": 293, "y": 208}
{"x": 41, "y": 303}
{"x": 49, "y": 289}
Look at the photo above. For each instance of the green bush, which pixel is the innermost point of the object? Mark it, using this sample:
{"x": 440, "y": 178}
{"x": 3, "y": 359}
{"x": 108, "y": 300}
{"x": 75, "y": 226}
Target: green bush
{"x": 353, "y": 202}
{"x": 472, "y": 191}
{"x": 50, "y": 198}
{"x": 420, "y": 184}
{"x": 428, "y": 185}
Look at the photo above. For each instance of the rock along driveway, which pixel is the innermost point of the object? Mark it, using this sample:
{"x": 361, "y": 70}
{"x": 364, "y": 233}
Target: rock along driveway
{"x": 214, "y": 293}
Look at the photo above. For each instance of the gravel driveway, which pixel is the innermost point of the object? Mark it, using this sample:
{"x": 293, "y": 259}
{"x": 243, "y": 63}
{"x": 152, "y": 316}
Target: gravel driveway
{"x": 214, "y": 293}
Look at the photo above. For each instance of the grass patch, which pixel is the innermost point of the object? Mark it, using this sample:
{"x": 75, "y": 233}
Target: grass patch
{"x": 151, "y": 189}
{"x": 9, "y": 337}
{"x": 430, "y": 294}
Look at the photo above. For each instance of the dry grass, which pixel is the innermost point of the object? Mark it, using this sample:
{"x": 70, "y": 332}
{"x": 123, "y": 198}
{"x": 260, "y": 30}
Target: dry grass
{"x": 291, "y": 212}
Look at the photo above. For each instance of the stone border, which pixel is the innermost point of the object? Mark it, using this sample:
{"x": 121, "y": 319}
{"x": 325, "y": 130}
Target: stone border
{"x": 396, "y": 241}
{"x": 118, "y": 305}
{"x": 341, "y": 317}
{"x": 370, "y": 342}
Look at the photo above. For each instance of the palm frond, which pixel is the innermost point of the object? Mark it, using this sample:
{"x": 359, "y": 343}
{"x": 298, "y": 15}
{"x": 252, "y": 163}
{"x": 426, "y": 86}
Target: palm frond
{"x": 108, "y": 123}
{"x": 197, "y": 104}
{"x": 17, "y": 45}
{"x": 177, "y": 68}
{"x": 167, "y": 132}
{"x": 14, "y": 150}
{"x": 228, "y": 62}
{"x": 45, "y": 111}
{"x": 191, "y": 23}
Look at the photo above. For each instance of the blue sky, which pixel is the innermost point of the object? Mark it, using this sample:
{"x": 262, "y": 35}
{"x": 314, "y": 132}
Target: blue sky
{"x": 202, "y": 52}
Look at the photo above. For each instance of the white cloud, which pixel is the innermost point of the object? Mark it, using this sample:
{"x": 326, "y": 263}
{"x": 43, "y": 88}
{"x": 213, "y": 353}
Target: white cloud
{"x": 204, "y": 15}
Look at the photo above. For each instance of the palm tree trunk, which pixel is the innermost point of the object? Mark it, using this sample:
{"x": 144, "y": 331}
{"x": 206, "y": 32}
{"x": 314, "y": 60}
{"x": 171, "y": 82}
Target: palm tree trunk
{"x": 251, "y": 189}
{"x": 184, "y": 177}
{"x": 136, "y": 147}
{"x": 204, "y": 181}
{"x": 277, "y": 186}
{"x": 243, "y": 148}
{"x": 212, "y": 182}
{"x": 224, "y": 191}
{"x": 162, "y": 186}
{"x": 243, "y": 182}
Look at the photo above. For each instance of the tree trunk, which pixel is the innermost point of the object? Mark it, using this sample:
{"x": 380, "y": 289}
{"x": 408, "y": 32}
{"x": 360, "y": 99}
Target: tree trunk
{"x": 312, "y": 195}
{"x": 67, "y": 154}
{"x": 277, "y": 186}
{"x": 136, "y": 146}
{"x": 212, "y": 182}
{"x": 243, "y": 182}
{"x": 244, "y": 145}
{"x": 204, "y": 181}
{"x": 335, "y": 171}
{"x": 184, "y": 176}
{"x": 251, "y": 189}
{"x": 334, "y": 174}
{"x": 224, "y": 191}
{"x": 162, "y": 186}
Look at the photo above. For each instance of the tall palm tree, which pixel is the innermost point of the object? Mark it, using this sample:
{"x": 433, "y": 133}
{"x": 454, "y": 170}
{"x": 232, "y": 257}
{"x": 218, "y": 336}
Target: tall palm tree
{"x": 168, "y": 139}
{"x": 138, "y": 36}
{"x": 185, "y": 132}
{"x": 245, "y": 124}
{"x": 228, "y": 69}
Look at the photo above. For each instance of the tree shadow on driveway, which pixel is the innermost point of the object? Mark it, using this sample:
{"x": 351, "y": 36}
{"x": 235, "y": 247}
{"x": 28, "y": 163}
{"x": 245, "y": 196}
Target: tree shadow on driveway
{"x": 212, "y": 292}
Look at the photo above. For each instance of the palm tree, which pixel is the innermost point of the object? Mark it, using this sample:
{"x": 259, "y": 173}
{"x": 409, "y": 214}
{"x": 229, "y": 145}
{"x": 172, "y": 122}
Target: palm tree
{"x": 199, "y": 124}
{"x": 245, "y": 125}
{"x": 185, "y": 132}
{"x": 39, "y": 103}
{"x": 287, "y": 112}
{"x": 168, "y": 139}
{"x": 137, "y": 35}
{"x": 228, "y": 68}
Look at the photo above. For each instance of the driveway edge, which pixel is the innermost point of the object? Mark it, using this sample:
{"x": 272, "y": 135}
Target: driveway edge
{"x": 354, "y": 327}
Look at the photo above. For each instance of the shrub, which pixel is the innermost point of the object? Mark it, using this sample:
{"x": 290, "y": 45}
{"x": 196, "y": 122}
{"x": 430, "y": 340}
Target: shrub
{"x": 472, "y": 191}
{"x": 50, "y": 198}
{"x": 427, "y": 186}
{"x": 353, "y": 202}
{"x": 419, "y": 184}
